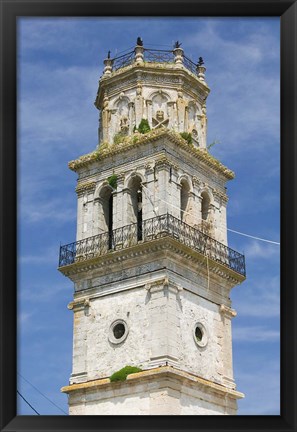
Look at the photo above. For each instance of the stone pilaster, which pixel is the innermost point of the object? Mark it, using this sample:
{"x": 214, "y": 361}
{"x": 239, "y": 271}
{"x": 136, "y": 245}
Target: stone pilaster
{"x": 164, "y": 323}
{"x": 227, "y": 314}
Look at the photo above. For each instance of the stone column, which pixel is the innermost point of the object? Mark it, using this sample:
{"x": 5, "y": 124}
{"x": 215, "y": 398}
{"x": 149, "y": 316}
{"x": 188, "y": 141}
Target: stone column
{"x": 138, "y": 104}
{"x": 203, "y": 123}
{"x": 172, "y": 115}
{"x": 149, "y": 205}
{"x": 162, "y": 175}
{"x": 181, "y": 107}
{"x": 227, "y": 314}
{"x": 118, "y": 203}
{"x": 105, "y": 119}
{"x": 198, "y": 201}
{"x": 149, "y": 111}
{"x": 131, "y": 117}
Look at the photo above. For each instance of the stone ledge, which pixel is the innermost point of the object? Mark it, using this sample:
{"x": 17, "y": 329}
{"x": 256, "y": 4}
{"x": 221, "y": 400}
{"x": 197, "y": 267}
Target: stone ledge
{"x": 134, "y": 141}
{"x": 162, "y": 372}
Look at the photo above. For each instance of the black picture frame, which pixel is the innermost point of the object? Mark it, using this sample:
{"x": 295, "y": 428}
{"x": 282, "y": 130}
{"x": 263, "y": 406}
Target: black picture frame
{"x": 10, "y": 10}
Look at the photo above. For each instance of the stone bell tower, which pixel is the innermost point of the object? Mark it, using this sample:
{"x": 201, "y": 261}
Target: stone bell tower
{"x": 151, "y": 267}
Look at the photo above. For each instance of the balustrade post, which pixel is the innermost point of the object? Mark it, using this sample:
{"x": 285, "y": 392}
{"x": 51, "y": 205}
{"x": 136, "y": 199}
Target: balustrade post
{"x": 178, "y": 56}
{"x": 107, "y": 66}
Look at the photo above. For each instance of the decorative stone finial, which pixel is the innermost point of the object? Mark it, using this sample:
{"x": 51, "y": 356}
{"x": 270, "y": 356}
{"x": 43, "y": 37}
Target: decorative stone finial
{"x": 201, "y": 69}
{"x": 200, "y": 61}
{"x": 178, "y": 53}
{"x": 139, "y": 41}
{"x": 139, "y": 57}
{"x": 177, "y": 44}
{"x": 107, "y": 65}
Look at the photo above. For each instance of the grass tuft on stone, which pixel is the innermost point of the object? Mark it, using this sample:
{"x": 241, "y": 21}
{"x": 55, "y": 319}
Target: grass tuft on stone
{"x": 122, "y": 374}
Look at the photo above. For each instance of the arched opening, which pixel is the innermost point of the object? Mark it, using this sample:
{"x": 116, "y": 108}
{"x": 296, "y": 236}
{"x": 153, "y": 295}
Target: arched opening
{"x": 135, "y": 210}
{"x": 205, "y": 206}
{"x": 184, "y": 199}
{"x": 106, "y": 199}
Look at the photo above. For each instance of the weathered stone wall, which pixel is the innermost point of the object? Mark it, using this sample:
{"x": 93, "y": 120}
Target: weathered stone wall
{"x": 162, "y": 174}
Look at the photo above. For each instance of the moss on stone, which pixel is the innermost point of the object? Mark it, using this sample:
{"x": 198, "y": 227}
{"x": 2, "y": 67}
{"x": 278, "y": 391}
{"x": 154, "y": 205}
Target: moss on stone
{"x": 122, "y": 374}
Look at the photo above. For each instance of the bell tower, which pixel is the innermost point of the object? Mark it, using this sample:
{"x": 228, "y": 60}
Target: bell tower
{"x": 151, "y": 267}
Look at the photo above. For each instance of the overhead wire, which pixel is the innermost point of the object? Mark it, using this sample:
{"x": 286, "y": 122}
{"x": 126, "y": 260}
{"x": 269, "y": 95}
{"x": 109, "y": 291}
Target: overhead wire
{"x": 53, "y": 403}
{"x": 28, "y": 403}
{"x": 228, "y": 229}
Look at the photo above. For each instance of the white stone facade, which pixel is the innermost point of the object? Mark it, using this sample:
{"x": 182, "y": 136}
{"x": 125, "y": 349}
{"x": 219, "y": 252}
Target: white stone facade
{"x": 143, "y": 298}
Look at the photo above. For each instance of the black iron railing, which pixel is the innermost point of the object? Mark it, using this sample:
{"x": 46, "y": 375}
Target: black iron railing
{"x": 153, "y": 56}
{"x": 154, "y": 228}
{"x": 158, "y": 56}
{"x": 123, "y": 60}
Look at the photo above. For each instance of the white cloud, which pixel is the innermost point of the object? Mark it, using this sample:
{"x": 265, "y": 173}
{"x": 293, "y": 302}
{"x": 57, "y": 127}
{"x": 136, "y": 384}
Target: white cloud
{"x": 243, "y": 104}
{"x": 263, "y": 250}
{"x": 258, "y": 297}
{"x": 260, "y": 382}
{"x": 254, "y": 334}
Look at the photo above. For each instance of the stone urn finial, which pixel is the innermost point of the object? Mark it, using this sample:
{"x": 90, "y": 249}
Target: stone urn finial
{"x": 201, "y": 69}
{"x": 139, "y": 50}
{"x": 107, "y": 65}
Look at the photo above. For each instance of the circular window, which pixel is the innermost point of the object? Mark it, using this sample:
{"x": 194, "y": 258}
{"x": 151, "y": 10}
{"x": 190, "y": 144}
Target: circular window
{"x": 118, "y": 331}
{"x": 200, "y": 335}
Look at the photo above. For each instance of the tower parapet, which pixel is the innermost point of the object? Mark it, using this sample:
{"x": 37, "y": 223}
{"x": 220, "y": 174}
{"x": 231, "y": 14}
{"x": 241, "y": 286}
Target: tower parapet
{"x": 164, "y": 87}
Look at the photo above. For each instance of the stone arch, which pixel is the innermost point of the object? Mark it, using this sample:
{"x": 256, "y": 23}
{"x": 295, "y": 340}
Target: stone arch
{"x": 130, "y": 177}
{"x": 206, "y": 212}
{"x": 104, "y": 199}
{"x": 187, "y": 178}
{"x": 185, "y": 189}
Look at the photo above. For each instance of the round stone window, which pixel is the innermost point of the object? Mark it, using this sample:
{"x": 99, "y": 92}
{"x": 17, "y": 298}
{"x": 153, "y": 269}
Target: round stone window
{"x": 200, "y": 335}
{"x": 118, "y": 331}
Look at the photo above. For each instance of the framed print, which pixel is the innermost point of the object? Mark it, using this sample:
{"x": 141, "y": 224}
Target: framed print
{"x": 148, "y": 151}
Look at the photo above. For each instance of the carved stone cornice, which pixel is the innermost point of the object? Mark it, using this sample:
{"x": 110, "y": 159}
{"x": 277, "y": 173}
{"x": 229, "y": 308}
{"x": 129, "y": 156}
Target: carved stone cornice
{"x": 85, "y": 187}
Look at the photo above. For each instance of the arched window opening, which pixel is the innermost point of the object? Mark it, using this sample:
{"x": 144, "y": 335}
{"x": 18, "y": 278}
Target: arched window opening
{"x": 106, "y": 199}
{"x": 135, "y": 211}
{"x": 184, "y": 199}
{"x": 205, "y": 206}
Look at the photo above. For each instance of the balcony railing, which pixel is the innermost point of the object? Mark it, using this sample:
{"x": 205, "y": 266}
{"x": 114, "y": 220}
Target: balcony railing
{"x": 150, "y": 229}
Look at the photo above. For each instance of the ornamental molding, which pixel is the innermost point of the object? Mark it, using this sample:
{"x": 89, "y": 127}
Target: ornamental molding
{"x": 85, "y": 187}
{"x": 162, "y": 285}
{"x": 218, "y": 195}
{"x": 227, "y": 311}
{"x": 78, "y": 305}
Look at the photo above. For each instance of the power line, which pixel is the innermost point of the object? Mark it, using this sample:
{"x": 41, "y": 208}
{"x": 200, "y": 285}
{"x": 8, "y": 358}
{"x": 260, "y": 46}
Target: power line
{"x": 53, "y": 403}
{"x": 237, "y": 232}
{"x": 27, "y": 402}
{"x": 256, "y": 238}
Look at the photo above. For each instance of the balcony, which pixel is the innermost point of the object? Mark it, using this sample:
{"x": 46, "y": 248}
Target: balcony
{"x": 151, "y": 229}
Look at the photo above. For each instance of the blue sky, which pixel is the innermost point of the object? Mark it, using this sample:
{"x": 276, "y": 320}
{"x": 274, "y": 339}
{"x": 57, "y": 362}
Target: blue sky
{"x": 59, "y": 64}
